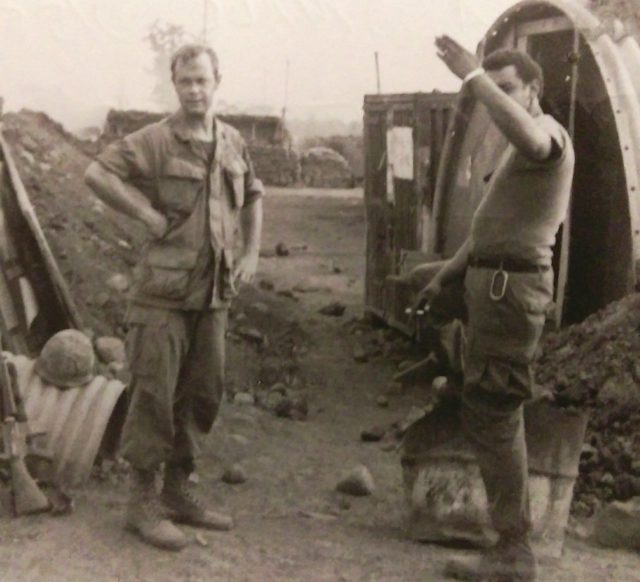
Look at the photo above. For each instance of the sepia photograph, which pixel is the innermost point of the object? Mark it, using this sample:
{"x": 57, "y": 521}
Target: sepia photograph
{"x": 319, "y": 290}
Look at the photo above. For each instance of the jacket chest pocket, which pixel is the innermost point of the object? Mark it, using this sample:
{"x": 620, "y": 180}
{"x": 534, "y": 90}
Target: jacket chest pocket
{"x": 234, "y": 169}
{"x": 179, "y": 186}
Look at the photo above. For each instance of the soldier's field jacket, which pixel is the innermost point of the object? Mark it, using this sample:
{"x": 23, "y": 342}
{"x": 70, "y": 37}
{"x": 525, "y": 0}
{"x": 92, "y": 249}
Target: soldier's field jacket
{"x": 201, "y": 196}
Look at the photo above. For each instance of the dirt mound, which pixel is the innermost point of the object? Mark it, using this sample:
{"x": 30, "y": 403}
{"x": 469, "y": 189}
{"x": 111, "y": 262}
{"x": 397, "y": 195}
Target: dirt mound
{"x": 90, "y": 242}
{"x": 595, "y": 365}
{"x": 323, "y": 167}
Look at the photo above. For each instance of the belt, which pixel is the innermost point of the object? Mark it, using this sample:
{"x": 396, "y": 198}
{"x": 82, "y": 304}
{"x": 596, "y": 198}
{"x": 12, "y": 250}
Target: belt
{"x": 506, "y": 264}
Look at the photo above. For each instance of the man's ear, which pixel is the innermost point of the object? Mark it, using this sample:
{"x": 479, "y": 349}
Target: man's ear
{"x": 536, "y": 87}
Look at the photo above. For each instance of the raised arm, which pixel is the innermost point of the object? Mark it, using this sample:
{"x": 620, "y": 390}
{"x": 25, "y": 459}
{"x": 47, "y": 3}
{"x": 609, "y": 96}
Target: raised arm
{"x": 515, "y": 122}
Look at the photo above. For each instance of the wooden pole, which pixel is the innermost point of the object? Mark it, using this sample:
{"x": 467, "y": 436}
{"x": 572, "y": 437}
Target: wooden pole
{"x": 286, "y": 89}
{"x": 377, "y": 72}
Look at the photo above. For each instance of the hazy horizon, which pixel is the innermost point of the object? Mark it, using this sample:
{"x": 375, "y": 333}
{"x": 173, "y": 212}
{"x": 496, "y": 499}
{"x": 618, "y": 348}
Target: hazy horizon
{"x": 74, "y": 59}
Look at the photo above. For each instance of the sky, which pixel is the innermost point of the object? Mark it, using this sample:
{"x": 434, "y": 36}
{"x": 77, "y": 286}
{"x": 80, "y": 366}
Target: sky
{"x": 76, "y": 58}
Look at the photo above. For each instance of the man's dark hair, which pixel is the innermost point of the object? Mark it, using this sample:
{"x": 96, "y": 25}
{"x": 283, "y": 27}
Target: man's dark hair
{"x": 528, "y": 69}
{"x": 191, "y": 51}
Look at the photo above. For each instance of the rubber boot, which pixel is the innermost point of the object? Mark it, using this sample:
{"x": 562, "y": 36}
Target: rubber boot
{"x": 510, "y": 560}
{"x": 184, "y": 507}
{"x": 145, "y": 515}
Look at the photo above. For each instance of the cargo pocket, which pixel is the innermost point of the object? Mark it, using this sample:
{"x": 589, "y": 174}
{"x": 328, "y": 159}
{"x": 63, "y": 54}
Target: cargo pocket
{"x": 531, "y": 292}
{"x": 496, "y": 383}
{"x": 145, "y": 340}
{"x": 166, "y": 272}
{"x": 235, "y": 169}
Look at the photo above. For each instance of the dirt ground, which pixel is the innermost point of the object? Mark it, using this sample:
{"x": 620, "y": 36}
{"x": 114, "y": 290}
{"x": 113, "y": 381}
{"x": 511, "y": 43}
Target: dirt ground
{"x": 291, "y": 524}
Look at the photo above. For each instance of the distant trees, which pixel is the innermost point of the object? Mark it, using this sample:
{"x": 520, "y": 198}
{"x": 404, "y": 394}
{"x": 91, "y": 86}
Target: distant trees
{"x": 164, "y": 39}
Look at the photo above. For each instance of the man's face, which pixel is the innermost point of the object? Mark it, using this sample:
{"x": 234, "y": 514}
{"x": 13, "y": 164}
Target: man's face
{"x": 195, "y": 85}
{"x": 512, "y": 85}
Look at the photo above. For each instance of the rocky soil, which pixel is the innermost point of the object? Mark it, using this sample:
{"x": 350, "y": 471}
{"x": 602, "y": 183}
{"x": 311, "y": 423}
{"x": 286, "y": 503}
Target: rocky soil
{"x": 308, "y": 379}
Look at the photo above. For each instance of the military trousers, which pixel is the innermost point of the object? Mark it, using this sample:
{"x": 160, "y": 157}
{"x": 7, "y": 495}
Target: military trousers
{"x": 177, "y": 363}
{"x": 503, "y": 331}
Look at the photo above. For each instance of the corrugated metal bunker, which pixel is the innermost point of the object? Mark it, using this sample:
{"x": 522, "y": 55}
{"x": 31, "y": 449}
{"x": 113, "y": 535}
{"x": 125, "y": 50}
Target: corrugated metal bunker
{"x": 592, "y": 86}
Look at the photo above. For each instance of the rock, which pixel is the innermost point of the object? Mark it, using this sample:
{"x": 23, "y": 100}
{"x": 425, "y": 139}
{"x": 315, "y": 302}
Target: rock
{"x": 294, "y": 407}
{"x": 239, "y": 439}
{"x": 120, "y": 371}
{"x": 271, "y": 370}
{"x": 359, "y": 482}
{"x": 359, "y": 353}
{"x": 382, "y": 401}
{"x": 244, "y": 398}
{"x": 618, "y": 525}
{"x": 373, "y": 435}
{"x": 389, "y": 446}
{"x": 234, "y": 475}
{"x": 288, "y": 294}
{"x": 282, "y": 250}
{"x": 260, "y": 307}
{"x": 267, "y": 253}
{"x": 266, "y": 285}
{"x": 201, "y": 540}
{"x": 273, "y": 400}
{"x": 578, "y": 530}
{"x": 253, "y": 335}
{"x": 102, "y": 298}
{"x": 110, "y": 349}
{"x": 439, "y": 383}
{"x": 335, "y": 309}
{"x": 118, "y": 282}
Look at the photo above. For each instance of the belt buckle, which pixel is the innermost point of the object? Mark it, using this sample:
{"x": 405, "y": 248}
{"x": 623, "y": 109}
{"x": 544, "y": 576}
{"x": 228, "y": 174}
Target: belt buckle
{"x": 498, "y": 284}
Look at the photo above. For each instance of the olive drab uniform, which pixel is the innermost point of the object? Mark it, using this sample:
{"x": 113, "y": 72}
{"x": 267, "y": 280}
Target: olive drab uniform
{"x": 182, "y": 286}
{"x": 508, "y": 290}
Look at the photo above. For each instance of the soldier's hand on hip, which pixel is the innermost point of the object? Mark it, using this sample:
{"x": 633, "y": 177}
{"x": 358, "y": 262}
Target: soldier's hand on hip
{"x": 459, "y": 60}
{"x": 155, "y": 222}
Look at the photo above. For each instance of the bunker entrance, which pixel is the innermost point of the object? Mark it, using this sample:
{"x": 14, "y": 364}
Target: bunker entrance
{"x": 599, "y": 237}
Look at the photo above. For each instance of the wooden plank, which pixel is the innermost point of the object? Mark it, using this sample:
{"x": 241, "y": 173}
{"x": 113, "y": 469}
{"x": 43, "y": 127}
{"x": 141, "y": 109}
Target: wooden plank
{"x": 28, "y": 214}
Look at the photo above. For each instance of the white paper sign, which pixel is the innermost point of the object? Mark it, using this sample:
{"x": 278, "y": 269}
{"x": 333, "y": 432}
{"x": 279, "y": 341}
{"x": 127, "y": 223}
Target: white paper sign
{"x": 400, "y": 152}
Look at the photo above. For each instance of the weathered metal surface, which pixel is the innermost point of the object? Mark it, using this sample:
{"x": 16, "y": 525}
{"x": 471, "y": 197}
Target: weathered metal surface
{"x": 73, "y": 419}
{"x": 595, "y": 92}
{"x": 398, "y": 208}
{"x": 445, "y": 490}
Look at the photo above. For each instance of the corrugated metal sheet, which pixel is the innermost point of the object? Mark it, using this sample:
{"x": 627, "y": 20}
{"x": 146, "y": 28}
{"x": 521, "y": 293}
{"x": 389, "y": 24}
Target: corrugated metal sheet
{"x": 73, "y": 419}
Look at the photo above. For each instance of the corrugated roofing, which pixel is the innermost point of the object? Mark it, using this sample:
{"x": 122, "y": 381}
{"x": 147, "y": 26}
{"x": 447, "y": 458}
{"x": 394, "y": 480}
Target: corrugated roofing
{"x": 74, "y": 419}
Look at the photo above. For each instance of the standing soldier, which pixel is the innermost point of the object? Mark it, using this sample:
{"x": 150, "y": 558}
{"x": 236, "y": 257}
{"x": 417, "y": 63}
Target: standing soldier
{"x": 188, "y": 179}
{"x": 508, "y": 288}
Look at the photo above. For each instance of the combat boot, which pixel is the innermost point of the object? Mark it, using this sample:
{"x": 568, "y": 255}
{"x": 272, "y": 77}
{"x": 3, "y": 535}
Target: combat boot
{"x": 146, "y": 518}
{"x": 183, "y": 505}
{"x": 510, "y": 560}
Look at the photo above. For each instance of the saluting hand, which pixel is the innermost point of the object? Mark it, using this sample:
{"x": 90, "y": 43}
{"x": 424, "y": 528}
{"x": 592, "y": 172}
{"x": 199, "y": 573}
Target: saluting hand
{"x": 459, "y": 60}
